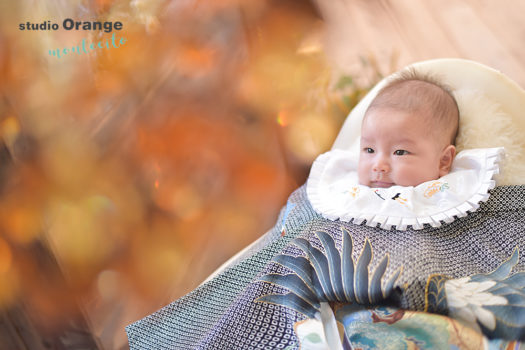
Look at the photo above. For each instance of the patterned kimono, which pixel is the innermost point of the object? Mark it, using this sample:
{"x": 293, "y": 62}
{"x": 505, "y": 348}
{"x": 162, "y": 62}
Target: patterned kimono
{"x": 458, "y": 286}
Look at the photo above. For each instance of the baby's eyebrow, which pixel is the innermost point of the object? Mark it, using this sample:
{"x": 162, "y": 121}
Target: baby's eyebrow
{"x": 406, "y": 141}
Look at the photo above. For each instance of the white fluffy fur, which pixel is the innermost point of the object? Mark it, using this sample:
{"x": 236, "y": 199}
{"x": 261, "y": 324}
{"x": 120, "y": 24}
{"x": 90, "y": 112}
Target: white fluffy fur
{"x": 483, "y": 124}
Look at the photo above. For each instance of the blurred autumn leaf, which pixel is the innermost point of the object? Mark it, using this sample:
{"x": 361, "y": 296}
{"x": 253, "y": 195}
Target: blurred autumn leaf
{"x": 142, "y": 168}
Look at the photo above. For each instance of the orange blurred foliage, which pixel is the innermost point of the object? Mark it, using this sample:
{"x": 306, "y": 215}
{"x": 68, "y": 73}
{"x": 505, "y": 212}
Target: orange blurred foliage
{"x": 142, "y": 168}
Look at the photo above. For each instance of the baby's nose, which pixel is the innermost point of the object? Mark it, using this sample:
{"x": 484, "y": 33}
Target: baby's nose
{"x": 381, "y": 166}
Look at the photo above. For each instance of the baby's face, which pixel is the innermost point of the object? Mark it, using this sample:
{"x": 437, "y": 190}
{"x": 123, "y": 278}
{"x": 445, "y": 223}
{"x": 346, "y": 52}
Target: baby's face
{"x": 397, "y": 148}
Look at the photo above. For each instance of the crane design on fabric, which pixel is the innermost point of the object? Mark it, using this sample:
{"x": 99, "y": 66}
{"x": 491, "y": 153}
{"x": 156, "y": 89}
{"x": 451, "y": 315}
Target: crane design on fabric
{"x": 329, "y": 276}
{"x": 431, "y": 189}
{"x": 492, "y": 303}
{"x": 397, "y": 197}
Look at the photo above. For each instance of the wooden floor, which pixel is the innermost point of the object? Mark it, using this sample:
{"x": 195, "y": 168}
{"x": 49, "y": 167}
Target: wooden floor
{"x": 490, "y": 32}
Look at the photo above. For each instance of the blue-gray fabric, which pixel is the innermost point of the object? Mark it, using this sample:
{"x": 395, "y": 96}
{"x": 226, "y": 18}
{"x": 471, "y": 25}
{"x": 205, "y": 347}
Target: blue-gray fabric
{"x": 238, "y": 309}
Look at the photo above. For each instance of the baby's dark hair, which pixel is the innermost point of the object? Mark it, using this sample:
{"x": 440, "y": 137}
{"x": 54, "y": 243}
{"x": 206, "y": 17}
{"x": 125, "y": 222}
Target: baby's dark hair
{"x": 416, "y": 92}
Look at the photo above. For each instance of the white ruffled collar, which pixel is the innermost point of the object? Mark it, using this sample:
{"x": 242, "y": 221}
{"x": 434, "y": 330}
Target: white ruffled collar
{"x": 334, "y": 192}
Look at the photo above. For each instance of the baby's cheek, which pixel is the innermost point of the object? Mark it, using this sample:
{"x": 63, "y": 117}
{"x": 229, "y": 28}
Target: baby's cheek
{"x": 362, "y": 173}
{"x": 423, "y": 173}
{"x": 409, "y": 175}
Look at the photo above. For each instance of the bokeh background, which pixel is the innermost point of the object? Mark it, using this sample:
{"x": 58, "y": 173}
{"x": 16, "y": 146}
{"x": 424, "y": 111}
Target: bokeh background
{"x": 128, "y": 175}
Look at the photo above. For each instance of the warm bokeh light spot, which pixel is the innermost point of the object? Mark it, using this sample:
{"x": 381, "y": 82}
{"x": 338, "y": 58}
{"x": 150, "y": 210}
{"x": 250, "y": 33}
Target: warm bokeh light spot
{"x": 79, "y": 231}
{"x": 183, "y": 200}
{"x": 9, "y": 130}
{"x": 69, "y": 160}
{"x": 196, "y": 59}
{"x": 310, "y": 135}
{"x": 282, "y": 118}
{"x": 21, "y": 221}
{"x": 108, "y": 284}
{"x": 156, "y": 258}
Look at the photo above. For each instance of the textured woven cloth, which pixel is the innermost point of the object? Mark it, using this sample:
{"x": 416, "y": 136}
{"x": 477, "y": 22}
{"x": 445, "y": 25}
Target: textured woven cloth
{"x": 260, "y": 300}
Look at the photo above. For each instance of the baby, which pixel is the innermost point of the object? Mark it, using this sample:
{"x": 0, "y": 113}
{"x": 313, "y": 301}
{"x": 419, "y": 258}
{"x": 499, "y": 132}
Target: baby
{"x": 408, "y": 133}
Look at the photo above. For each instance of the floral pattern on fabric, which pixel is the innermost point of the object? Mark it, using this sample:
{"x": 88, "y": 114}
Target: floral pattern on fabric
{"x": 491, "y": 303}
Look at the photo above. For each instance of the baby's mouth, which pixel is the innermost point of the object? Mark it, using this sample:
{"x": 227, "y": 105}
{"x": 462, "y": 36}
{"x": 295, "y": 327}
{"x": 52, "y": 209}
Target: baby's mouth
{"x": 381, "y": 184}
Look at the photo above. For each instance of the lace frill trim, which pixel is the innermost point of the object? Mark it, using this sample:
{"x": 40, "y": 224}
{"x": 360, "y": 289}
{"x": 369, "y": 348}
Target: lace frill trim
{"x": 323, "y": 205}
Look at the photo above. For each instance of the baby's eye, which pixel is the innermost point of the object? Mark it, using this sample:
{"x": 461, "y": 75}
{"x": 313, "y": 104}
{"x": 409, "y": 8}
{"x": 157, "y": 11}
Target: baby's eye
{"x": 400, "y": 152}
{"x": 368, "y": 150}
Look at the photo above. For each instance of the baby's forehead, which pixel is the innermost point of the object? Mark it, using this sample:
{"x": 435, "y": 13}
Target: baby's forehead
{"x": 389, "y": 114}
{"x": 407, "y": 125}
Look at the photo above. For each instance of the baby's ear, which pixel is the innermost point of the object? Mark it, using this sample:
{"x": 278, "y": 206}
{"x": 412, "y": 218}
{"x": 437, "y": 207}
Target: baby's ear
{"x": 445, "y": 162}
